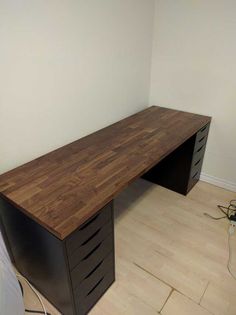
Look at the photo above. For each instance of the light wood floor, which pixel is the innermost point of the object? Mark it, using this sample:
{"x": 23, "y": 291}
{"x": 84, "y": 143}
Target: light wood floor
{"x": 170, "y": 258}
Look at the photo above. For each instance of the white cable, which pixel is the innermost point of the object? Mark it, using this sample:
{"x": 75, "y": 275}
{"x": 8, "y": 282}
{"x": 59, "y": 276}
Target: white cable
{"x": 35, "y": 292}
{"x": 231, "y": 232}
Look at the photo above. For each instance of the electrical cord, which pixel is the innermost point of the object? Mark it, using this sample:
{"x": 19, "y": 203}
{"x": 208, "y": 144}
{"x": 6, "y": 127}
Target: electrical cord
{"x": 230, "y": 214}
{"x": 214, "y": 218}
{"x": 227, "y": 211}
{"x": 36, "y": 293}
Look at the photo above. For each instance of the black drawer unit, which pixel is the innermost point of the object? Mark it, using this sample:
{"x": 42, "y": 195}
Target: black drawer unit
{"x": 90, "y": 251}
{"x": 198, "y": 155}
{"x": 181, "y": 169}
{"x": 72, "y": 273}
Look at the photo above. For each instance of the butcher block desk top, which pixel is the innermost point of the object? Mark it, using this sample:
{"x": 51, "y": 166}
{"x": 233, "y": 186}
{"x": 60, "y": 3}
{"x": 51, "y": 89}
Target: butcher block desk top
{"x": 64, "y": 188}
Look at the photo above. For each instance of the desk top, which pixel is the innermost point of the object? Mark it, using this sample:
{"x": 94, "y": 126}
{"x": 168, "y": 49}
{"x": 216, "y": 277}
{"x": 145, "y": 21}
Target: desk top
{"x": 64, "y": 188}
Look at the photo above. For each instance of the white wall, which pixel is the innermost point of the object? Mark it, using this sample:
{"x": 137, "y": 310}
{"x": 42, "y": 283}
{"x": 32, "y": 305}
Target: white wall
{"x": 194, "y": 69}
{"x": 67, "y": 68}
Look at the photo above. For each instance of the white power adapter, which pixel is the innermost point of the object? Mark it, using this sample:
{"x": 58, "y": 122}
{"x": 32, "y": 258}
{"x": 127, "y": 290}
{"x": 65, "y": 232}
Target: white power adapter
{"x": 232, "y": 227}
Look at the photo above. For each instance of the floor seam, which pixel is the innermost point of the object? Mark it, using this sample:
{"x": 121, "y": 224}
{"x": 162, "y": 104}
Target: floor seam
{"x": 210, "y": 312}
{"x": 204, "y": 293}
{"x": 172, "y": 290}
{"x": 151, "y": 274}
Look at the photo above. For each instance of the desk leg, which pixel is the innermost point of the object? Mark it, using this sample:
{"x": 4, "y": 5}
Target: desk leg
{"x": 174, "y": 171}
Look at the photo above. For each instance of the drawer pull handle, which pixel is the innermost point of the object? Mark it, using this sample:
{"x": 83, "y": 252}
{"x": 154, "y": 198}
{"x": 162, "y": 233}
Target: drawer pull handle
{"x": 195, "y": 175}
{"x": 86, "y": 224}
{"x": 200, "y": 148}
{"x": 92, "y": 251}
{"x": 94, "y": 269}
{"x": 204, "y": 128}
{"x": 91, "y": 237}
{"x": 197, "y": 162}
{"x": 201, "y": 139}
{"x": 96, "y": 285}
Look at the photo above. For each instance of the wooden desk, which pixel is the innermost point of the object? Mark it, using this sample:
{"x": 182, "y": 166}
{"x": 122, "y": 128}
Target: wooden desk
{"x": 56, "y": 211}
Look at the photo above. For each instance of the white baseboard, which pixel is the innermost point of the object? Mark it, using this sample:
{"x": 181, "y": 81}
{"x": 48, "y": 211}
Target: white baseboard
{"x": 218, "y": 182}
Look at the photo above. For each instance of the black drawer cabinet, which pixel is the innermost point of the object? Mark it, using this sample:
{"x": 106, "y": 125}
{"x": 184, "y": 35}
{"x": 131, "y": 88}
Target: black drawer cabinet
{"x": 198, "y": 156}
{"x": 74, "y": 273}
{"x": 90, "y": 252}
{"x": 181, "y": 169}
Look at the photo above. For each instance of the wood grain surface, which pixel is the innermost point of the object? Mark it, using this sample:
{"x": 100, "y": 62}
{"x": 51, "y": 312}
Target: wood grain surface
{"x": 64, "y": 188}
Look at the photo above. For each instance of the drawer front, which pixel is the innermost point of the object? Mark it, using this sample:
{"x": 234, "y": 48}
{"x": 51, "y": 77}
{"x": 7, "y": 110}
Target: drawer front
{"x": 98, "y": 273}
{"x": 201, "y": 138}
{"x": 92, "y": 260}
{"x": 196, "y": 170}
{"x": 89, "y": 244}
{"x": 194, "y": 179}
{"x": 199, "y": 154}
{"x": 85, "y": 303}
{"x": 197, "y": 160}
{"x": 90, "y": 227}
